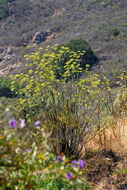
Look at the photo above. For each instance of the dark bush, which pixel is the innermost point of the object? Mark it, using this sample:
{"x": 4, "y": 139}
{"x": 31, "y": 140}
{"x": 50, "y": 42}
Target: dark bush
{"x": 81, "y": 45}
{"x": 115, "y": 32}
{"x": 88, "y": 59}
{"x": 5, "y": 88}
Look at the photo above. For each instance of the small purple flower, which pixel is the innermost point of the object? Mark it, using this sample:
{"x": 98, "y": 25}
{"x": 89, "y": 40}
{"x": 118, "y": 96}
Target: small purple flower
{"x": 69, "y": 175}
{"x": 27, "y": 150}
{"x": 22, "y": 123}
{"x": 12, "y": 123}
{"x": 60, "y": 158}
{"x": 37, "y": 123}
{"x": 74, "y": 162}
{"x": 81, "y": 164}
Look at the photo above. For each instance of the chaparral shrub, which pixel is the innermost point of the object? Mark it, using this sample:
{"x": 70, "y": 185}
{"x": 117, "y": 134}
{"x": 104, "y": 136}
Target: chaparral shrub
{"x": 71, "y": 109}
{"x": 87, "y": 58}
{"x": 5, "y": 88}
{"x": 115, "y": 32}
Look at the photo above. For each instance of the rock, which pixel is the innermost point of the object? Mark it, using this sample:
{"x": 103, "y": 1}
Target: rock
{"x": 40, "y": 37}
{"x": 10, "y": 51}
{"x": 7, "y": 57}
{"x": 1, "y": 50}
{"x": 7, "y": 54}
{"x": 8, "y": 69}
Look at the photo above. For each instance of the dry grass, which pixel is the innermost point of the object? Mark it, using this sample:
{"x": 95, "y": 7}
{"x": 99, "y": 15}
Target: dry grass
{"x": 113, "y": 137}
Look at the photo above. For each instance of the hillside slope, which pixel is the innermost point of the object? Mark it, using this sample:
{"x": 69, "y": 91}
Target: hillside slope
{"x": 28, "y": 24}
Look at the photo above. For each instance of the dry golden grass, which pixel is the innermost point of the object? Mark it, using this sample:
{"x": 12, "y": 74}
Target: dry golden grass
{"x": 113, "y": 137}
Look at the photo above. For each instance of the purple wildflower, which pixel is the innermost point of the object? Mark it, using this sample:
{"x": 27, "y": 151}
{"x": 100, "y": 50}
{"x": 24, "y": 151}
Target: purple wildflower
{"x": 22, "y": 123}
{"x": 81, "y": 164}
{"x": 74, "y": 162}
{"x": 37, "y": 124}
{"x": 27, "y": 150}
{"x": 60, "y": 158}
{"x": 69, "y": 175}
{"x": 12, "y": 123}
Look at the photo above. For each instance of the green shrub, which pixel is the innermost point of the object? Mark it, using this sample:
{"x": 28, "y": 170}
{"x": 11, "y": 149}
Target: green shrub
{"x": 115, "y": 32}
{"x": 5, "y": 88}
{"x": 87, "y": 58}
{"x": 3, "y": 8}
{"x": 58, "y": 184}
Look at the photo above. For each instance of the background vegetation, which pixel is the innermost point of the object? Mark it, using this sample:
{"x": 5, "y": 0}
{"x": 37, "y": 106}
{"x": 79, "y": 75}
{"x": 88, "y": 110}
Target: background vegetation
{"x": 3, "y": 8}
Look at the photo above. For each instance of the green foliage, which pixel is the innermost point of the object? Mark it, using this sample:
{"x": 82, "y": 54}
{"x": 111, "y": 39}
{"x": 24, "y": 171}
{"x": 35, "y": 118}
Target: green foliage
{"x": 121, "y": 171}
{"x": 78, "y": 45}
{"x": 3, "y": 8}
{"x": 57, "y": 184}
{"x": 3, "y": 2}
{"x": 25, "y": 162}
{"x": 5, "y": 88}
{"x": 3, "y": 13}
{"x": 87, "y": 57}
{"x": 39, "y": 83}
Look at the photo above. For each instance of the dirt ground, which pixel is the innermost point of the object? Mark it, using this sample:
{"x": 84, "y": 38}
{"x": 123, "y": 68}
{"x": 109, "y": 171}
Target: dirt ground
{"x": 103, "y": 170}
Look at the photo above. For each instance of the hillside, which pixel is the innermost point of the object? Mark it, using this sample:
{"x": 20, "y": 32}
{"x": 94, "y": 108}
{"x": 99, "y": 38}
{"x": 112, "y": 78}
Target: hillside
{"x": 63, "y": 109}
{"x": 26, "y": 25}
